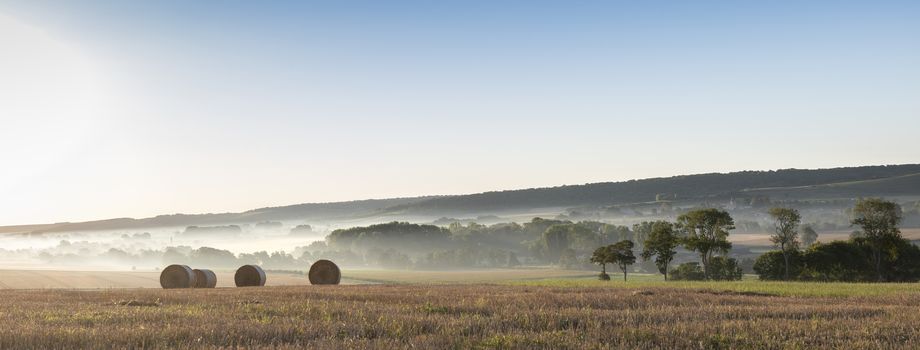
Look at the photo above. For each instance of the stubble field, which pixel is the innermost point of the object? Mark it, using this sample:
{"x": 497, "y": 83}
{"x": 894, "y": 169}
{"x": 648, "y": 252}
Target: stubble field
{"x": 554, "y": 314}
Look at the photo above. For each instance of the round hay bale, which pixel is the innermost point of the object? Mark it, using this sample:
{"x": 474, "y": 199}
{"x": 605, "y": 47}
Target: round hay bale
{"x": 325, "y": 272}
{"x": 177, "y": 276}
{"x": 205, "y": 278}
{"x": 249, "y": 276}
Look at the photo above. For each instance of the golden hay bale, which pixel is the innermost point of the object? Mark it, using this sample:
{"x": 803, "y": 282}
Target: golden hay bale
{"x": 249, "y": 276}
{"x": 325, "y": 272}
{"x": 177, "y": 276}
{"x": 205, "y": 278}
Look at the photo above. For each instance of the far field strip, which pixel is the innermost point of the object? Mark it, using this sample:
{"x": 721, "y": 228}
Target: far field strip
{"x": 54, "y": 279}
{"x": 832, "y": 184}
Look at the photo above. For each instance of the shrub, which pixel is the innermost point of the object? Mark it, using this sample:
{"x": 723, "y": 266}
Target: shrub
{"x": 836, "y": 261}
{"x": 771, "y": 266}
{"x": 691, "y": 271}
{"x": 724, "y": 269}
{"x": 904, "y": 265}
{"x": 603, "y": 277}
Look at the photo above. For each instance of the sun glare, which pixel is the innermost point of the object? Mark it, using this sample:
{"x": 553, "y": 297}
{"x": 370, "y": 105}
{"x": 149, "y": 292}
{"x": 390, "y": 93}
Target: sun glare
{"x": 52, "y": 99}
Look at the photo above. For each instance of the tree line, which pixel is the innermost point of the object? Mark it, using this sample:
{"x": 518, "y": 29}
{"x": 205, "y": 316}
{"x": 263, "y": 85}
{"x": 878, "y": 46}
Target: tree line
{"x": 875, "y": 252}
{"x": 703, "y": 231}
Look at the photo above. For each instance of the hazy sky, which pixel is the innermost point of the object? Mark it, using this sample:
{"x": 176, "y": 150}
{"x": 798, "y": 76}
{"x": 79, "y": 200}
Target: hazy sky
{"x": 131, "y": 108}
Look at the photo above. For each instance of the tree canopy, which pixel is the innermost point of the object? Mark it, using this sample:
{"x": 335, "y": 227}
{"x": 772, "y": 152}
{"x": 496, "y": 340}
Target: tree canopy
{"x": 660, "y": 243}
{"x": 706, "y": 231}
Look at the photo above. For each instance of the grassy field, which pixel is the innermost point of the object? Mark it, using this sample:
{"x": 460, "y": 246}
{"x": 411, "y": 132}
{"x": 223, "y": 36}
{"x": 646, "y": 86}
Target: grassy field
{"x": 462, "y": 276}
{"x": 579, "y": 279}
{"x": 484, "y": 316}
{"x": 749, "y": 286}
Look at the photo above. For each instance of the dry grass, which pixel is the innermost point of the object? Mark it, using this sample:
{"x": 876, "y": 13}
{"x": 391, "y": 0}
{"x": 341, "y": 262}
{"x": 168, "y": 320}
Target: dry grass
{"x": 453, "y": 316}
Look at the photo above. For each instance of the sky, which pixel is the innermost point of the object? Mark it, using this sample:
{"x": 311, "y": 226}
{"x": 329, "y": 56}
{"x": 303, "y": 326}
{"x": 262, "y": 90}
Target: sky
{"x": 139, "y": 108}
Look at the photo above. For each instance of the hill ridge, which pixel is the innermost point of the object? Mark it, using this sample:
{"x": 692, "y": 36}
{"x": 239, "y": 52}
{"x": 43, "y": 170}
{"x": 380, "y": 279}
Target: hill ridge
{"x": 706, "y": 185}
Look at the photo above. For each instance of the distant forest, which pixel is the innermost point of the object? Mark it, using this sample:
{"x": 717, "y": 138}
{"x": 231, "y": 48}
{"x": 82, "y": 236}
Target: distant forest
{"x": 701, "y": 186}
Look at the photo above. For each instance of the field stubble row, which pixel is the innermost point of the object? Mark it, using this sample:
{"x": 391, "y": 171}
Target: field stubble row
{"x": 454, "y": 316}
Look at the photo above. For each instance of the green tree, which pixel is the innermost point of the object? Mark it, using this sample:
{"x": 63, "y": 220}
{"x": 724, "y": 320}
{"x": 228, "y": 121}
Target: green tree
{"x": 785, "y": 233}
{"x": 660, "y": 242}
{"x": 622, "y": 255}
{"x": 706, "y": 232}
{"x": 809, "y": 236}
{"x": 602, "y": 256}
{"x": 878, "y": 220}
{"x": 582, "y": 238}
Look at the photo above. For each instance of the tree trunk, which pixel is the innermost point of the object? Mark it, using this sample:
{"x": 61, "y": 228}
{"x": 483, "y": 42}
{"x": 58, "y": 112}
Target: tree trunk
{"x": 786, "y": 259}
{"x": 666, "y": 264}
{"x": 604, "y": 269}
{"x": 624, "y": 274}
{"x": 878, "y": 265}
{"x": 705, "y": 260}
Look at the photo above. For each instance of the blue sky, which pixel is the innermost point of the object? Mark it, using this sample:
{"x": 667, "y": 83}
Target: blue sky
{"x": 179, "y": 106}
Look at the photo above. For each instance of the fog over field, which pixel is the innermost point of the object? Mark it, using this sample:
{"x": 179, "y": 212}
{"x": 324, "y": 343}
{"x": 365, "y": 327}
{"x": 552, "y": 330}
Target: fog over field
{"x": 472, "y": 174}
{"x": 480, "y": 231}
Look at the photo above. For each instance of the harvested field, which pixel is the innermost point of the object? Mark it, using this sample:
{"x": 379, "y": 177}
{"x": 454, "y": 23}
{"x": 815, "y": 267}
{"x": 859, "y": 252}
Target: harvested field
{"x": 454, "y": 316}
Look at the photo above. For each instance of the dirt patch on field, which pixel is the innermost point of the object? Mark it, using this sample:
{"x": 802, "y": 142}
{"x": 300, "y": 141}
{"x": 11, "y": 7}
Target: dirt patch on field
{"x": 732, "y": 292}
{"x": 154, "y": 303}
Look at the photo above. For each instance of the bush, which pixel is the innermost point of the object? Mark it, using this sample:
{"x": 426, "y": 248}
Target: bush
{"x": 771, "y": 267}
{"x": 837, "y": 261}
{"x": 846, "y": 261}
{"x": 724, "y": 269}
{"x": 603, "y": 277}
{"x": 691, "y": 271}
{"x": 904, "y": 265}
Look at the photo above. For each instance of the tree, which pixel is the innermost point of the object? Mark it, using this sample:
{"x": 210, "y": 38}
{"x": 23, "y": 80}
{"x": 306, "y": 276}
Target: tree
{"x": 569, "y": 259}
{"x": 660, "y": 243}
{"x": 809, "y": 236}
{"x": 878, "y": 220}
{"x": 785, "y": 233}
{"x": 602, "y": 256}
{"x": 706, "y": 232}
{"x": 555, "y": 240}
{"x": 622, "y": 255}
{"x": 771, "y": 266}
{"x": 512, "y": 260}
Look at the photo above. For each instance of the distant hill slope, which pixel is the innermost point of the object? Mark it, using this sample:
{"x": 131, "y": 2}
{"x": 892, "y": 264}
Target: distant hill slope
{"x": 298, "y": 211}
{"x": 700, "y": 186}
{"x": 889, "y": 186}
{"x": 789, "y": 183}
